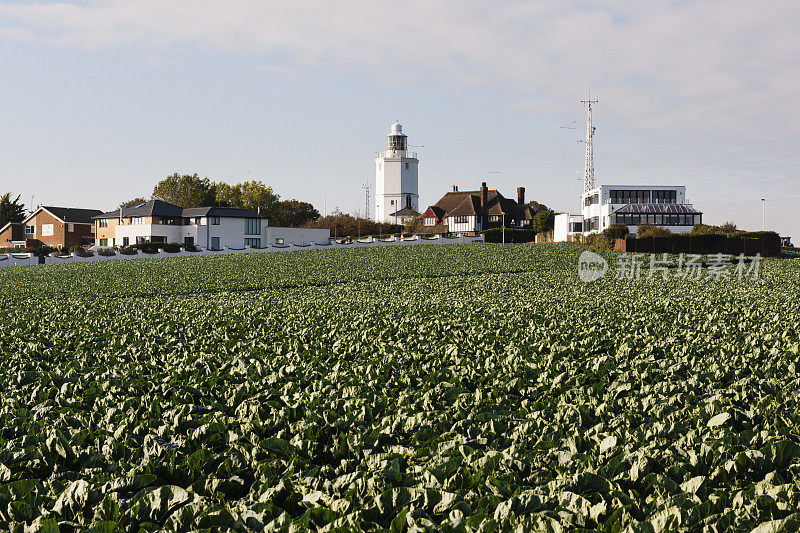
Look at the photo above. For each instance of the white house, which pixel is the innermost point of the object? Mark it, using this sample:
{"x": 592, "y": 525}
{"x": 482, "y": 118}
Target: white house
{"x": 632, "y": 205}
{"x": 211, "y": 228}
{"x": 396, "y": 180}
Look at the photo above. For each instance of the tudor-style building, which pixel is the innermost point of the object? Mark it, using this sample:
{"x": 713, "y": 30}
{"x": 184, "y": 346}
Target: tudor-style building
{"x": 470, "y": 212}
{"x": 59, "y": 227}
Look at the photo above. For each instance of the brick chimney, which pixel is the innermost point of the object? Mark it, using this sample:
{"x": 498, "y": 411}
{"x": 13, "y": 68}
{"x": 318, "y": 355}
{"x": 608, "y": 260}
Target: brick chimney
{"x": 484, "y": 195}
{"x": 521, "y": 195}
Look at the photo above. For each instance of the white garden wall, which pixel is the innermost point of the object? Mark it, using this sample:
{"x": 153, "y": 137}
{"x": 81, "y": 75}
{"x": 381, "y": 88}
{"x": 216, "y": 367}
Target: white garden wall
{"x": 7, "y": 260}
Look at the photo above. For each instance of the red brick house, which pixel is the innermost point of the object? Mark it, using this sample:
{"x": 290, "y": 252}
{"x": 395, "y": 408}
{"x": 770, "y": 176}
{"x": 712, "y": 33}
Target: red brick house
{"x": 470, "y": 212}
{"x": 59, "y": 227}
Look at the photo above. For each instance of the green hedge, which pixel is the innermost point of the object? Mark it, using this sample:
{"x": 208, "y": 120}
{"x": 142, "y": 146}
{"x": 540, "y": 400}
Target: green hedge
{"x": 512, "y": 235}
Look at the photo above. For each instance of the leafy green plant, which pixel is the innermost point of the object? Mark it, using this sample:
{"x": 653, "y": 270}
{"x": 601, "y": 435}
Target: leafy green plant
{"x": 474, "y": 387}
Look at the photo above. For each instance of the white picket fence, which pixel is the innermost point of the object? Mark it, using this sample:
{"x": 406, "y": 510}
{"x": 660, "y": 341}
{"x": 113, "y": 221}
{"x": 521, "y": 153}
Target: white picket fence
{"x": 7, "y": 260}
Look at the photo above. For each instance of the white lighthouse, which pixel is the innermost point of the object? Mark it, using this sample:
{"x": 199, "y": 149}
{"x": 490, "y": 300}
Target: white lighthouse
{"x": 396, "y": 180}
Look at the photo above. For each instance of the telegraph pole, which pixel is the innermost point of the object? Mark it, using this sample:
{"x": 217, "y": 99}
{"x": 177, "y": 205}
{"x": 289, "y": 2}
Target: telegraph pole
{"x": 588, "y": 171}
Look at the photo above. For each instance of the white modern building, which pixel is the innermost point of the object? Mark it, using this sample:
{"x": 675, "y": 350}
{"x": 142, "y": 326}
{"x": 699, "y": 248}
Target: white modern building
{"x": 632, "y": 205}
{"x": 396, "y": 180}
{"x": 212, "y": 228}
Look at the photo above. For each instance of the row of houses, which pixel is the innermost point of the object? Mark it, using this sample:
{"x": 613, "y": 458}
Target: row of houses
{"x": 156, "y": 221}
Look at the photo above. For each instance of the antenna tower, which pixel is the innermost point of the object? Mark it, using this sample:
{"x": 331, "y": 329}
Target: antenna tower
{"x": 366, "y": 201}
{"x": 588, "y": 171}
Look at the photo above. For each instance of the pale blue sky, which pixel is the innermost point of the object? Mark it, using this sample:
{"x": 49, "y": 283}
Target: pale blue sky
{"x": 104, "y": 98}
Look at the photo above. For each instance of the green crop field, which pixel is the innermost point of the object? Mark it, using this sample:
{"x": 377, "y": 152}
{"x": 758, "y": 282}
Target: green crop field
{"x": 457, "y": 388}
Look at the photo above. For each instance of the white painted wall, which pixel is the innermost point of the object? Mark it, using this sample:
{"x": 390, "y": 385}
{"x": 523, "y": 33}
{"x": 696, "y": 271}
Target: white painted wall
{"x": 231, "y": 232}
{"x": 299, "y": 236}
{"x": 471, "y": 225}
{"x": 393, "y": 182}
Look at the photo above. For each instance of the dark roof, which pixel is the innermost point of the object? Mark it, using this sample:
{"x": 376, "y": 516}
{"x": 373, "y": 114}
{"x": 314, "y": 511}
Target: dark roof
{"x": 470, "y": 205}
{"x": 405, "y": 212}
{"x": 74, "y": 215}
{"x": 231, "y": 212}
{"x": 158, "y": 208}
{"x": 658, "y": 209}
{"x": 457, "y": 203}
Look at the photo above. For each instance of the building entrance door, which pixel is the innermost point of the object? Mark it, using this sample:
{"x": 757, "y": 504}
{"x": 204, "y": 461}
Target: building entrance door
{"x": 188, "y": 241}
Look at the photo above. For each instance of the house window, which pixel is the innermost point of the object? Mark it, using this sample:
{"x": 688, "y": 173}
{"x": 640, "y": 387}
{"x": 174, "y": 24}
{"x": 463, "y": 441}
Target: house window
{"x": 126, "y": 241}
{"x": 215, "y": 243}
{"x": 30, "y": 230}
{"x": 525, "y": 222}
{"x": 215, "y": 221}
{"x": 71, "y": 227}
{"x": 252, "y": 226}
{"x": 430, "y": 221}
{"x": 103, "y": 242}
{"x": 391, "y": 202}
{"x": 137, "y": 220}
{"x": 47, "y": 230}
{"x": 158, "y": 239}
{"x": 253, "y": 243}
{"x": 142, "y": 240}
{"x": 198, "y": 221}
{"x": 103, "y": 222}
{"x": 494, "y": 218}
{"x": 406, "y": 166}
{"x": 460, "y": 219}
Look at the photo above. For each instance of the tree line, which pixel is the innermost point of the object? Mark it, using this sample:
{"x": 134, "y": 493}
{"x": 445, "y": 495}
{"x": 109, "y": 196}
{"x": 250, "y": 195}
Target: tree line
{"x": 193, "y": 191}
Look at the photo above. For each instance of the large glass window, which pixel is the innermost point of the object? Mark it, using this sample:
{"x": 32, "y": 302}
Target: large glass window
{"x": 253, "y": 243}
{"x": 460, "y": 219}
{"x": 252, "y": 226}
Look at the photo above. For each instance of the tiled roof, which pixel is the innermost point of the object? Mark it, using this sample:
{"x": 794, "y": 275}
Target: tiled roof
{"x": 405, "y": 212}
{"x": 160, "y": 208}
{"x": 658, "y": 209}
{"x": 74, "y": 215}
{"x": 470, "y": 205}
{"x": 229, "y": 212}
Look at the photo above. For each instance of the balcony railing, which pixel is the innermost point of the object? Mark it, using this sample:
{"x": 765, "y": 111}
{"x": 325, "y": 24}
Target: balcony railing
{"x": 397, "y": 154}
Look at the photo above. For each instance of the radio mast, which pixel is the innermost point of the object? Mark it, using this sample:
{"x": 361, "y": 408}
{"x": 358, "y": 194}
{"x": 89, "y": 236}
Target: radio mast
{"x": 366, "y": 206}
{"x": 588, "y": 171}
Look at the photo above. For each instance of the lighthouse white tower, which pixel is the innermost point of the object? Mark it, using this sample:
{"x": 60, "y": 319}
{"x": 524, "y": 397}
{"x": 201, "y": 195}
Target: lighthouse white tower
{"x": 396, "y": 179}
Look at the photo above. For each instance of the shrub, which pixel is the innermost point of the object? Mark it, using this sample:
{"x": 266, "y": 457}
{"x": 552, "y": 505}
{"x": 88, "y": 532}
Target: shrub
{"x": 106, "y": 252}
{"x": 127, "y": 250}
{"x": 646, "y": 230}
{"x": 513, "y": 235}
{"x": 171, "y": 247}
{"x": 616, "y": 231}
{"x": 79, "y": 251}
{"x": 600, "y": 241}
